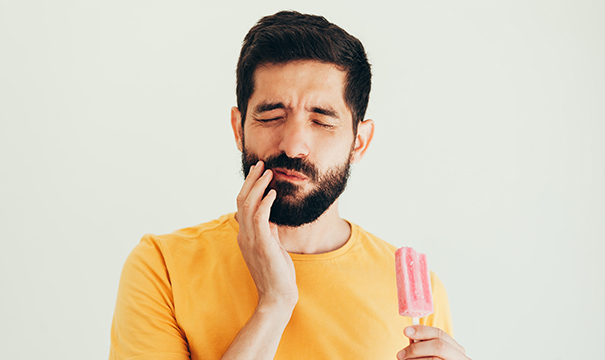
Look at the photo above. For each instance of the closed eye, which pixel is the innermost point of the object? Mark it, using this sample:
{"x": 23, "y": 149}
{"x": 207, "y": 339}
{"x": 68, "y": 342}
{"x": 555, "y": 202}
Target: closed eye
{"x": 268, "y": 120}
{"x": 324, "y": 125}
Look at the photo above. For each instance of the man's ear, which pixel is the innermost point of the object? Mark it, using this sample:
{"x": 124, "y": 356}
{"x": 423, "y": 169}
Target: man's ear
{"x": 365, "y": 133}
{"x": 236, "y": 125}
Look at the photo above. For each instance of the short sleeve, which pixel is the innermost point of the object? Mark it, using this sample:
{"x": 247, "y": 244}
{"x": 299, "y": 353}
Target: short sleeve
{"x": 144, "y": 325}
{"x": 441, "y": 317}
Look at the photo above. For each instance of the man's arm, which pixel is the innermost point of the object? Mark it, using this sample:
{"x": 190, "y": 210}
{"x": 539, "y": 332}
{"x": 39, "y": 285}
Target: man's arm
{"x": 270, "y": 266}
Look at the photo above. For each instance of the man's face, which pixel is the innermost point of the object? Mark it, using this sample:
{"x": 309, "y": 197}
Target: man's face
{"x": 300, "y": 126}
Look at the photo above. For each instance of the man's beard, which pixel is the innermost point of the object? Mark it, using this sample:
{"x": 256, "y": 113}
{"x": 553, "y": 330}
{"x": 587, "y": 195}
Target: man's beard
{"x": 291, "y": 208}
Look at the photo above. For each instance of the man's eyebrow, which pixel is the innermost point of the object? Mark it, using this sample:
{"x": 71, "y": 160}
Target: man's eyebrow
{"x": 266, "y": 106}
{"x": 325, "y": 111}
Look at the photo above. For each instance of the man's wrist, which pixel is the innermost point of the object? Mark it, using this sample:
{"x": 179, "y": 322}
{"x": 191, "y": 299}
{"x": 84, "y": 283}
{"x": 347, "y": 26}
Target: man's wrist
{"x": 275, "y": 311}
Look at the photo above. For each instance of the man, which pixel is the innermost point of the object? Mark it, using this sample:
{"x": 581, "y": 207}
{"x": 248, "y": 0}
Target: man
{"x": 285, "y": 277}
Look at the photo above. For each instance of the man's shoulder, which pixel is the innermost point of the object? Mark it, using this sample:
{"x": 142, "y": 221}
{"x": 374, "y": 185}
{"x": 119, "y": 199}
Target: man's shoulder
{"x": 215, "y": 232}
{"x": 186, "y": 248}
{"x": 225, "y": 224}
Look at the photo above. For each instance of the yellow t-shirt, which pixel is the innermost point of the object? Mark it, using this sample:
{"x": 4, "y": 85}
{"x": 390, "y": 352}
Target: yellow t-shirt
{"x": 187, "y": 294}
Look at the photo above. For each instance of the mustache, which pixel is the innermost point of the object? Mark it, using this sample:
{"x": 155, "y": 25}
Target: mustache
{"x": 282, "y": 161}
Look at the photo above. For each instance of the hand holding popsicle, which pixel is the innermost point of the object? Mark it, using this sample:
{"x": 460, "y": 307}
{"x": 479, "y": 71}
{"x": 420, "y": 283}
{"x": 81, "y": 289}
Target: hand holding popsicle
{"x": 430, "y": 343}
{"x": 416, "y": 301}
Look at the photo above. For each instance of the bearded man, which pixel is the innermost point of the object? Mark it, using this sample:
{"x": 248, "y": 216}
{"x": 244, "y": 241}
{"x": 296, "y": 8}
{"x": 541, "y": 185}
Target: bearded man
{"x": 285, "y": 277}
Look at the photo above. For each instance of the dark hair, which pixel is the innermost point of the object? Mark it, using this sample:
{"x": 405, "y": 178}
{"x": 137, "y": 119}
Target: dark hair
{"x": 288, "y": 36}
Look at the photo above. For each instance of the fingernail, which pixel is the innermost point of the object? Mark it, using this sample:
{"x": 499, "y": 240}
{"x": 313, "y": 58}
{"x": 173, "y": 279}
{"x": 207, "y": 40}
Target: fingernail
{"x": 409, "y": 331}
{"x": 257, "y": 163}
{"x": 266, "y": 172}
{"x": 401, "y": 355}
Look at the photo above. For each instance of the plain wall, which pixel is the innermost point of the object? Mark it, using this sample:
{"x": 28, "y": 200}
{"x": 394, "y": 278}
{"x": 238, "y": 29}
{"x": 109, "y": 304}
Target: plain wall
{"x": 488, "y": 155}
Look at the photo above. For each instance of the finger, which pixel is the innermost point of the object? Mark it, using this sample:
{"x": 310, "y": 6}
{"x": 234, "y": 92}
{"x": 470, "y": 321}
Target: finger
{"x": 261, "y": 217}
{"x": 254, "y": 198}
{"x": 255, "y": 173}
{"x": 273, "y": 227}
{"x": 423, "y": 333}
{"x": 431, "y": 349}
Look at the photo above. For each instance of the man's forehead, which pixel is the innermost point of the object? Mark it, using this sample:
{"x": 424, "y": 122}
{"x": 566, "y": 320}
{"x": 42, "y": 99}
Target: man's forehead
{"x": 313, "y": 85}
{"x": 302, "y": 66}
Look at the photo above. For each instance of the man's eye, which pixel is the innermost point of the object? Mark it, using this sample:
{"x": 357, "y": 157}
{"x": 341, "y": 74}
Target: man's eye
{"x": 324, "y": 125}
{"x": 268, "y": 120}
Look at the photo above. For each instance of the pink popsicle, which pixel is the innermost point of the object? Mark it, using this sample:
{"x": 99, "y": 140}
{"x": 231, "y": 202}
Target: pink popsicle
{"x": 413, "y": 283}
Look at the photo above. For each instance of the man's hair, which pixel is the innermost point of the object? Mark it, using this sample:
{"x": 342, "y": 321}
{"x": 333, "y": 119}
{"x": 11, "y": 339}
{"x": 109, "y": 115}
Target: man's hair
{"x": 290, "y": 36}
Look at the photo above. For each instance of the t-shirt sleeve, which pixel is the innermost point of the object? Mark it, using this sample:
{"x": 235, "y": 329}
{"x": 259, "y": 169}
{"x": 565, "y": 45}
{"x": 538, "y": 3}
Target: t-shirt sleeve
{"x": 441, "y": 317}
{"x": 144, "y": 325}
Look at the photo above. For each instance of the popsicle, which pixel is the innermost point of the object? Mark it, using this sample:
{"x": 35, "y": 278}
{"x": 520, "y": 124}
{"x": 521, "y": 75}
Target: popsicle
{"x": 413, "y": 284}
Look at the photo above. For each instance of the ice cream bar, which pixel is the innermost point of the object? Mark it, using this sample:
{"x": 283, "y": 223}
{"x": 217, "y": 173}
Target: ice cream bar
{"x": 413, "y": 283}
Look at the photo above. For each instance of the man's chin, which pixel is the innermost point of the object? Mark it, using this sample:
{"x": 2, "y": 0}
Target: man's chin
{"x": 290, "y": 200}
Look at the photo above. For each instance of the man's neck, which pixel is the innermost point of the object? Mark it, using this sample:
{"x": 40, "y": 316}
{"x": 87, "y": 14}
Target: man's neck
{"x": 328, "y": 233}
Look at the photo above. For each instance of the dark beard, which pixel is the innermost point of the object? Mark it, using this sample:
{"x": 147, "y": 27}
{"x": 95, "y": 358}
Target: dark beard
{"x": 290, "y": 208}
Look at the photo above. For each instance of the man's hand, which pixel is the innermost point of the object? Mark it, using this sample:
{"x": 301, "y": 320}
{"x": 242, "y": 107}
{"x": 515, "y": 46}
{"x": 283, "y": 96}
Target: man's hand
{"x": 270, "y": 265}
{"x": 431, "y": 343}
{"x": 271, "y": 268}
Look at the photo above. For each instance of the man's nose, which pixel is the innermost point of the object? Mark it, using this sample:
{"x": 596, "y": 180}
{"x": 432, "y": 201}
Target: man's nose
{"x": 295, "y": 138}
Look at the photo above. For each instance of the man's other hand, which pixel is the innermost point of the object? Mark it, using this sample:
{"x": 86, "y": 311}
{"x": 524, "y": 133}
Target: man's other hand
{"x": 431, "y": 343}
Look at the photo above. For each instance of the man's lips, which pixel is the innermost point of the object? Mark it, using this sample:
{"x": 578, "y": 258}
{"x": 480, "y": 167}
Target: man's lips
{"x": 288, "y": 174}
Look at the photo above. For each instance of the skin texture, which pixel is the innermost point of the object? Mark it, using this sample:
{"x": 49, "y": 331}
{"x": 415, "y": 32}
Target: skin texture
{"x": 297, "y": 109}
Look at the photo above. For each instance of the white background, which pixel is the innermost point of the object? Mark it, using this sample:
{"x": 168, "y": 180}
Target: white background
{"x": 488, "y": 155}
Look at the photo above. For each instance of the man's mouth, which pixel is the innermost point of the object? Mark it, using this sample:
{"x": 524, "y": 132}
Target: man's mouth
{"x": 288, "y": 174}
